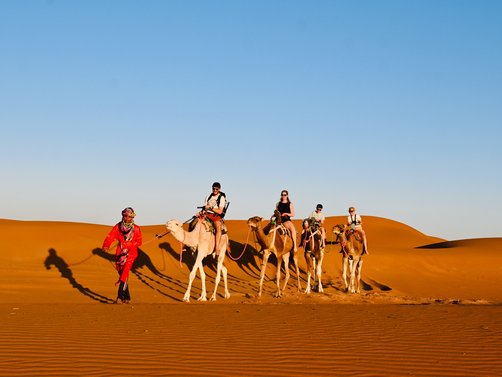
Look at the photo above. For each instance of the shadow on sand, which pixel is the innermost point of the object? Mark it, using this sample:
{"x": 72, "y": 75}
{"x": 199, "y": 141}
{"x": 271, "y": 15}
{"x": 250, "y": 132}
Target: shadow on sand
{"x": 143, "y": 261}
{"x": 55, "y": 260}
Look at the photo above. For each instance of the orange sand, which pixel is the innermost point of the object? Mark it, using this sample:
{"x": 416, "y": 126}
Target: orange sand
{"x": 429, "y": 307}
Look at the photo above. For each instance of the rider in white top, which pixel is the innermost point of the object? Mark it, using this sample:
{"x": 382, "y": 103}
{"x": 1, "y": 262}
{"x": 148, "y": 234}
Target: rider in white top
{"x": 214, "y": 206}
{"x": 356, "y": 223}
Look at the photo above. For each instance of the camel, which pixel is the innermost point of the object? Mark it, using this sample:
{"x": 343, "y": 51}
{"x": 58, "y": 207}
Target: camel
{"x": 279, "y": 244}
{"x": 202, "y": 238}
{"x": 314, "y": 254}
{"x": 352, "y": 256}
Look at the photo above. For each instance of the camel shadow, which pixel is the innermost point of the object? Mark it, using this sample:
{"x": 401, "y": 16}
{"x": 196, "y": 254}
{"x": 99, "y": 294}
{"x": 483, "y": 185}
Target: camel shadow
{"x": 144, "y": 261}
{"x": 55, "y": 260}
{"x": 245, "y": 259}
{"x": 380, "y": 286}
{"x": 270, "y": 274}
{"x": 186, "y": 256}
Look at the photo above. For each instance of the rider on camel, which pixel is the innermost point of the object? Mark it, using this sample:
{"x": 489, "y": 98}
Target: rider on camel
{"x": 214, "y": 207}
{"x": 318, "y": 219}
{"x": 356, "y": 225}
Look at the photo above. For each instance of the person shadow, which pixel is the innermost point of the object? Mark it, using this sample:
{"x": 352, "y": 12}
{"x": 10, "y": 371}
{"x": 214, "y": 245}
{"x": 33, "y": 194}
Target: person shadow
{"x": 143, "y": 261}
{"x": 53, "y": 259}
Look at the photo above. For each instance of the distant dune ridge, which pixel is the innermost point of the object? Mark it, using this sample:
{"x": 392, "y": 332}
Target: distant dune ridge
{"x": 54, "y": 279}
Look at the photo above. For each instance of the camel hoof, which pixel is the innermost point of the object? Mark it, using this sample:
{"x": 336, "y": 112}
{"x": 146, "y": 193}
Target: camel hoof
{"x": 186, "y": 299}
{"x": 213, "y": 298}
{"x": 227, "y": 295}
{"x": 202, "y": 298}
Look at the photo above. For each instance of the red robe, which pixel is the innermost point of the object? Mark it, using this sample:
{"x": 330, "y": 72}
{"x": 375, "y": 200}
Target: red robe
{"x": 131, "y": 246}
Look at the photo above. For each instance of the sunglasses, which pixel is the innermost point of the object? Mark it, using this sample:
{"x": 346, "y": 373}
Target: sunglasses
{"x": 216, "y": 188}
{"x": 284, "y": 194}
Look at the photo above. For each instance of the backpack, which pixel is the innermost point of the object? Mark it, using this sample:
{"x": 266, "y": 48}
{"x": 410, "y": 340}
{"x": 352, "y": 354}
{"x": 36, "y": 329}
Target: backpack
{"x": 227, "y": 203}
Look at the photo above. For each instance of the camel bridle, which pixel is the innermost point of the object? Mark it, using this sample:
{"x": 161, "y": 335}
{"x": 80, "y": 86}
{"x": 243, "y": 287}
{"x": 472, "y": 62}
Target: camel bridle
{"x": 310, "y": 238}
{"x": 343, "y": 242}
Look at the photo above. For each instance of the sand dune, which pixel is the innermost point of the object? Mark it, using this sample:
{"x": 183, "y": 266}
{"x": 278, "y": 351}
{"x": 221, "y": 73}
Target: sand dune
{"x": 428, "y": 307}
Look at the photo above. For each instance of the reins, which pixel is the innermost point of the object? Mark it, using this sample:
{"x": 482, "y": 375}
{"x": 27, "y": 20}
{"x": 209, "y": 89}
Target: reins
{"x": 309, "y": 238}
{"x": 243, "y": 250}
{"x": 157, "y": 236}
{"x": 82, "y": 261}
{"x": 343, "y": 243}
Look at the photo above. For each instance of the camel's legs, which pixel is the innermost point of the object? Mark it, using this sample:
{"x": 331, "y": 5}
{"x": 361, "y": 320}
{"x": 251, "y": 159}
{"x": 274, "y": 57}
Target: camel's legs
{"x": 307, "y": 290}
{"x": 203, "y": 294}
{"x": 345, "y": 261}
{"x": 308, "y": 259}
{"x": 218, "y": 276}
{"x": 221, "y": 270}
{"x": 319, "y": 273}
{"x": 266, "y": 255}
{"x": 352, "y": 272}
{"x": 278, "y": 276}
{"x": 191, "y": 277}
{"x": 224, "y": 271}
{"x": 359, "y": 268}
{"x": 225, "y": 281}
{"x": 295, "y": 259}
{"x": 314, "y": 269}
{"x": 285, "y": 258}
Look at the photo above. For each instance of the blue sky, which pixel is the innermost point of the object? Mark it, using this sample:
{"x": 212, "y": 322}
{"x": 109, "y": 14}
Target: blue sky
{"x": 391, "y": 106}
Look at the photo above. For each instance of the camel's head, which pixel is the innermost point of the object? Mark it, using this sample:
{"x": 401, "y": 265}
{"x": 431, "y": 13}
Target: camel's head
{"x": 338, "y": 230}
{"x": 172, "y": 225}
{"x": 254, "y": 222}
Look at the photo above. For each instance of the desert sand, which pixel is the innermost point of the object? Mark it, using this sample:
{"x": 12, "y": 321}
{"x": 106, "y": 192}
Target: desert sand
{"x": 428, "y": 307}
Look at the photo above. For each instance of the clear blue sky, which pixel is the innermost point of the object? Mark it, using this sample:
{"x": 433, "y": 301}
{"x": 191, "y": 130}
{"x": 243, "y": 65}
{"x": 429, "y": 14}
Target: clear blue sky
{"x": 394, "y": 107}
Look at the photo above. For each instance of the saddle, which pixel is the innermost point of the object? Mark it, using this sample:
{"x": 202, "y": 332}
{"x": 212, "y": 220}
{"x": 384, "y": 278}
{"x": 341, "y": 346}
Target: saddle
{"x": 357, "y": 234}
{"x": 276, "y": 218}
{"x": 208, "y": 223}
{"x": 312, "y": 231}
{"x": 279, "y": 228}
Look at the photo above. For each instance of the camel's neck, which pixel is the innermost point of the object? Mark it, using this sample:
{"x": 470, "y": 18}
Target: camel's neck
{"x": 264, "y": 240}
{"x": 187, "y": 238}
{"x": 352, "y": 244}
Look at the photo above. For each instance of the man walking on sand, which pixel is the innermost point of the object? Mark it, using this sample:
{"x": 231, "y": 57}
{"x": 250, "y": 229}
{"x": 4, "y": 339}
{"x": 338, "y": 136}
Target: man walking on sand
{"x": 129, "y": 237}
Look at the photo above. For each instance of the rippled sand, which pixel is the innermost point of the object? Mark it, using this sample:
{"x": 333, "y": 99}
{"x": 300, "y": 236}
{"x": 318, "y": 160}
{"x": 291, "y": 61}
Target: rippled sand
{"x": 428, "y": 307}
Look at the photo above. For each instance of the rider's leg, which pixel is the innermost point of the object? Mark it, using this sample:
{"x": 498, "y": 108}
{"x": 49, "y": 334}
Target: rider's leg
{"x": 217, "y": 226}
{"x": 291, "y": 227}
{"x": 365, "y": 242}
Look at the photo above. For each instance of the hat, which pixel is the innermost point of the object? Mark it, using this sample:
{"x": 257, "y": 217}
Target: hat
{"x": 128, "y": 211}
{"x": 217, "y": 184}
{"x": 319, "y": 206}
